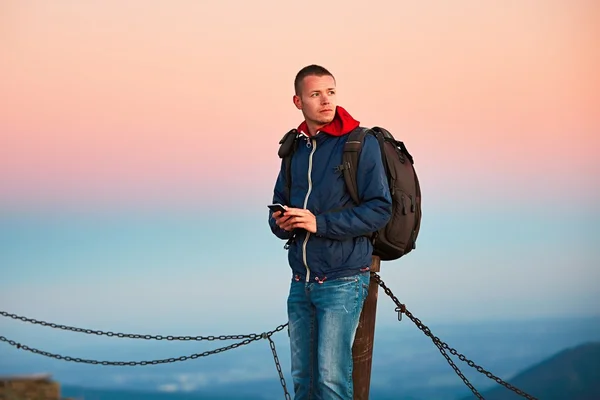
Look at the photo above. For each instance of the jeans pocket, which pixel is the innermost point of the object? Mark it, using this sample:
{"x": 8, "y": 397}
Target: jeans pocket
{"x": 365, "y": 290}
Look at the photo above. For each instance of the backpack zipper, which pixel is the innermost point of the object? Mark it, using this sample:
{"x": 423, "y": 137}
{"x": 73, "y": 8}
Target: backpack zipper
{"x": 310, "y": 157}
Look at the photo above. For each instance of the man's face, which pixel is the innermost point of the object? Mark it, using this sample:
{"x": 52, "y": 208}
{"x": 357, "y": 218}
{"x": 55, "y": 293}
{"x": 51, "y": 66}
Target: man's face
{"x": 317, "y": 99}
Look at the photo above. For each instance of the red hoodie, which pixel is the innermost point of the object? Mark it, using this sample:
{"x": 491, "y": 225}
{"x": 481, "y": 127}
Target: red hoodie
{"x": 342, "y": 124}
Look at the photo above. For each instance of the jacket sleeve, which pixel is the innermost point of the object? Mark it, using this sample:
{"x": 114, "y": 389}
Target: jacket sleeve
{"x": 375, "y": 209}
{"x": 279, "y": 197}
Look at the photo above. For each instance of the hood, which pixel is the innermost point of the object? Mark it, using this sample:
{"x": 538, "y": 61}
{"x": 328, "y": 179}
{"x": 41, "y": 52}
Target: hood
{"x": 342, "y": 124}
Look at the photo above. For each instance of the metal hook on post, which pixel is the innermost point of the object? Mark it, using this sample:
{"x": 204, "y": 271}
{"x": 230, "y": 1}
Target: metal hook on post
{"x": 400, "y": 310}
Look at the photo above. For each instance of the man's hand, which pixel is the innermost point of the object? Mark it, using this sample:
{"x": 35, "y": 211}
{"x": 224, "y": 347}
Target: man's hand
{"x": 280, "y": 219}
{"x": 296, "y": 218}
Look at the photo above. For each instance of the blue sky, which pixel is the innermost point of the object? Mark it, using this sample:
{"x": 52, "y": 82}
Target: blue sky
{"x": 216, "y": 273}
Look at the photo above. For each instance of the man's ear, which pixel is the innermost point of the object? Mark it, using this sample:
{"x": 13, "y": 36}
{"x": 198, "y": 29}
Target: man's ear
{"x": 297, "y": 101}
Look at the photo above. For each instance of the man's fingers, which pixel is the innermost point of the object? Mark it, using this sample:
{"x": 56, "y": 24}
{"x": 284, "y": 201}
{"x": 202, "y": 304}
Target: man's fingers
{"x": 296, "y": 212}
{"x": 298, "y": 222}
{"x": 285, "y": 222}
{"x": 291, "y": 222}
{"x": 295, "y": 218}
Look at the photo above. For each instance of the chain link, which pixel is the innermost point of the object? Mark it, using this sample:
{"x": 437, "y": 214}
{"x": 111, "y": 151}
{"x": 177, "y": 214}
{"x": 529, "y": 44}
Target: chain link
{"x": 442, "y": 346}
{"x": 152, "y": 362}
{"x": 279, "y": 371}
{"x": 127, "y": 335}
{"x": 276, "y": 359}
{"x": 125, "y": 363}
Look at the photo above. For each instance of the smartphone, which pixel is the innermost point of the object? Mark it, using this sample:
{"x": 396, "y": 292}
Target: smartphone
{"x": 277, "y": 207}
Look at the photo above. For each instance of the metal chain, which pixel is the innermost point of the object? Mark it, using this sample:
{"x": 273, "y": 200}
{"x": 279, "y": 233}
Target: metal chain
{"x": 442, "y": 346}
{"x": 247, "y": 339}
{"x": 458, "y": 372}
{"x": 134, "y": 363}
{"x": 401, "y": 309}
{"x": 125, "y": 363}
{"x": 278, "y": 366}
{"x": 127, "y": 335}
{"x": 276, "y": 359}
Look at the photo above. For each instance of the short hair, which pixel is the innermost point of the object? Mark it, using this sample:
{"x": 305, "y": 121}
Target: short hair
{"x": 312, "y": 69}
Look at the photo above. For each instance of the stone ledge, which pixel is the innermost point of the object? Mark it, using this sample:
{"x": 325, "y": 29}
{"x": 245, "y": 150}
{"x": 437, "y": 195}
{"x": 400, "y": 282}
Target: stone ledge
{"x": 29, "y": 387}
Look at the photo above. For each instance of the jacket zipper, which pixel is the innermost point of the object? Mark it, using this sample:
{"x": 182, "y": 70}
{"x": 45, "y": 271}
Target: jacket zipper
{"x": 310, "y": 157}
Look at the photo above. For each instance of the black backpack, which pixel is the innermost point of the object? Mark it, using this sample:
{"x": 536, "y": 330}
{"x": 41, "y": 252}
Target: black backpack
{"x": 399, "y": 236}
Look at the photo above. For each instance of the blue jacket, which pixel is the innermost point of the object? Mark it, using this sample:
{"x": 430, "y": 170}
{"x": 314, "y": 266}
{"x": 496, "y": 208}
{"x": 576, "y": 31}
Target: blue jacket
{"x": 339, "y": 247}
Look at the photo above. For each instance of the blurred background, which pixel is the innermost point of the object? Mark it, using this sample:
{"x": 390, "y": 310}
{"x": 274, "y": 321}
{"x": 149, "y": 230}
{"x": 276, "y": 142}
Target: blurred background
{"x": 138, "y": 152}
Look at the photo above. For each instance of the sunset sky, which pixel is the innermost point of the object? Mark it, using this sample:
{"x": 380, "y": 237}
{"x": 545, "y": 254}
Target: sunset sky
{"x": 138, "y": 151}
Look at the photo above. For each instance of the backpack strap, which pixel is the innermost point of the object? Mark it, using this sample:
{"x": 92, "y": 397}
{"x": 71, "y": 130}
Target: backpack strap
{"x": 287, "y": 148}
{"x": 352, "y": 149}
{"x": 384, "y": 136}
{"x": 351, "y": 155}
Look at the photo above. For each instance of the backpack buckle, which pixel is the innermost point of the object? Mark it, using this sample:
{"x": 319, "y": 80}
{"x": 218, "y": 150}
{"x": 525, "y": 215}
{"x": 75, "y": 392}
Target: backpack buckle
{"x": 342, "y": 167}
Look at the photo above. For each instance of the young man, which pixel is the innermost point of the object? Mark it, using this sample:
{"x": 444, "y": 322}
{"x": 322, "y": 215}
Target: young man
{"x": 329, "y": 253}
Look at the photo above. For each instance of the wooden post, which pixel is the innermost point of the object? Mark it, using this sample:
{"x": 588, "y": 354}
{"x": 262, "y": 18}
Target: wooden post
{"x": 362, "y": 350}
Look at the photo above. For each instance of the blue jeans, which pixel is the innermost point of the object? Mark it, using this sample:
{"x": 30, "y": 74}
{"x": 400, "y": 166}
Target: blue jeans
{"x": 323, "y": 318}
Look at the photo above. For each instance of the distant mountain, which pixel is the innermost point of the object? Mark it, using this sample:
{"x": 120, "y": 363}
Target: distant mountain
{"x": 572, "y": 374}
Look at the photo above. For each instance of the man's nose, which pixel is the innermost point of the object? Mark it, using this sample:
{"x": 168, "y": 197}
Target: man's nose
{"x": 325, "y": 99}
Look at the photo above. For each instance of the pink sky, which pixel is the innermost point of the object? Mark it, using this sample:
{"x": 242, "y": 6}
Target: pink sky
{"x": 110, "y": 101}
